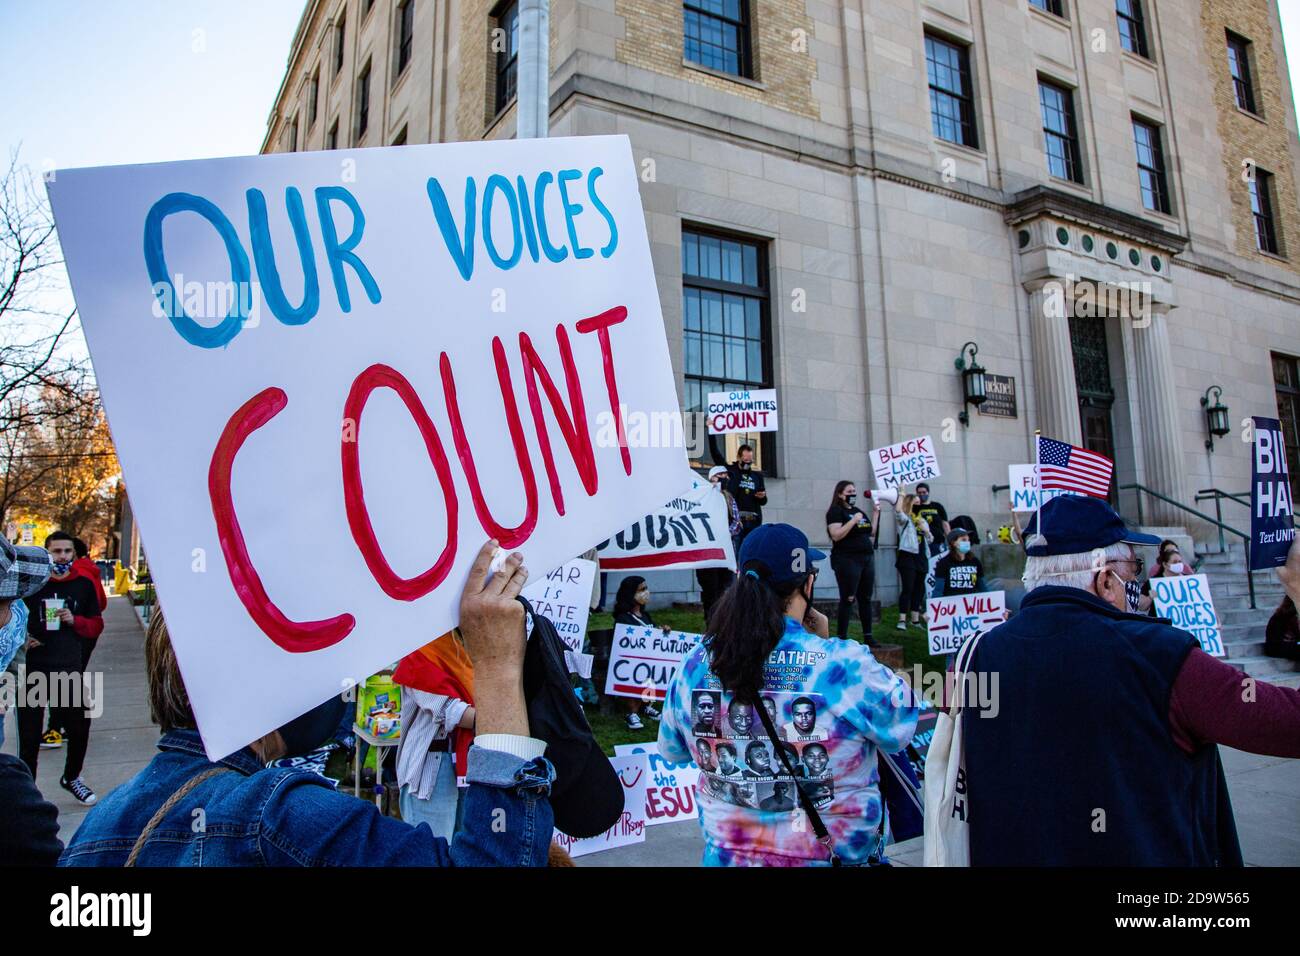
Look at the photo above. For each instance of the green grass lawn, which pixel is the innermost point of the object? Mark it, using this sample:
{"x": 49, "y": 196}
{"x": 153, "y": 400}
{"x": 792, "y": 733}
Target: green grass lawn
{"x": 611, "y": 729}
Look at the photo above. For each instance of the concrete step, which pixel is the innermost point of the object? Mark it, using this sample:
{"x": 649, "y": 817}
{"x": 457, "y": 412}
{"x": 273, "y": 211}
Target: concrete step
{"x": 1262, "y": 666}
{"x": 1241, "y": 615}
{"x": 1244, "y": 649}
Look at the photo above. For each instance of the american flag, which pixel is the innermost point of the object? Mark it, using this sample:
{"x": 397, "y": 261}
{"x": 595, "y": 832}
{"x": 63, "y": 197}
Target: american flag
{"x": 1070, "y": 468}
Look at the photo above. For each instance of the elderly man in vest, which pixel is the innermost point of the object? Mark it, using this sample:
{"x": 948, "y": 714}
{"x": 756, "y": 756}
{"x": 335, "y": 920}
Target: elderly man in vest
{"x": 1101, "y": 747}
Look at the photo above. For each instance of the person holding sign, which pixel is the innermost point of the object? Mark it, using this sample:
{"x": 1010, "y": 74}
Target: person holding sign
{"x": 747, "y": 486}
{"x": 912, "y": 560}
{"x": 631, "y": 606}
{"x": 766, "y": 640}
{"x": 852, "y": 560}
{"x": 259, "y": 816}
{"x": 935, "y": 515}
{"x": 1100, "y": 748}
{"x": 713, "y": 581}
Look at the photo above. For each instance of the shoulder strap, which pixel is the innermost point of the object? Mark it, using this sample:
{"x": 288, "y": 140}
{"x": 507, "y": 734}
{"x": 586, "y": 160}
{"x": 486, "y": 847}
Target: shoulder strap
{"x": 166, "y": 808}
{"x": 819, "y": 828}
{"x": 964, "y": 656}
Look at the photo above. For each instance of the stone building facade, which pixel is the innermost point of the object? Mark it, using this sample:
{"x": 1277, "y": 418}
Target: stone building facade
{"x": 872, "y": 184}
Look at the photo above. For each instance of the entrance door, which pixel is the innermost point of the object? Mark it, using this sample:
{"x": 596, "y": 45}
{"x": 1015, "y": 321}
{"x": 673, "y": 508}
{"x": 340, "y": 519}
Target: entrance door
{"x": 1096, "y": 394}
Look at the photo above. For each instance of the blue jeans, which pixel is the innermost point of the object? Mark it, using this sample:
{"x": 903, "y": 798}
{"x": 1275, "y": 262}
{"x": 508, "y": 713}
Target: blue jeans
{"x": 439, "y": 810}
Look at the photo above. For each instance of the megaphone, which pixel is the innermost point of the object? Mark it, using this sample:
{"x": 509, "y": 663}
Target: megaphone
{"x": 889, "y": 495}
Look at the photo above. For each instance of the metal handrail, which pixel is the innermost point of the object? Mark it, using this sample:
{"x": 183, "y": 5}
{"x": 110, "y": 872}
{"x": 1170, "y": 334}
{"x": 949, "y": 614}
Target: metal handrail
{"x": 1250, "y": 578}
{"x": 1218, "y": 495}
{"x": 1217, "y": 522}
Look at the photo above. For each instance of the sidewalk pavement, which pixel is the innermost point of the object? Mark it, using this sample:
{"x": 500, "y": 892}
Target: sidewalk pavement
{"x": 122, "y": 739}
{"x": 1265, "y": 790}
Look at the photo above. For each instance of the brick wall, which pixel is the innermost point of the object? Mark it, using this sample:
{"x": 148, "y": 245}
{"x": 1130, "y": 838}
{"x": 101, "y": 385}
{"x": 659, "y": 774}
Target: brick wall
{"x": 781, "y": 29}
{"x": 1246, "y": 137}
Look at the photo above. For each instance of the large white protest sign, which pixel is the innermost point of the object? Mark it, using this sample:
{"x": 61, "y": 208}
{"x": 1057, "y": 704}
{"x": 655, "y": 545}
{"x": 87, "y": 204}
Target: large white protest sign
{"x": 643, "y": 660}
{"x": 742, "y": 410}
{"x": 634, "y": 774}
{"x": 332, "y": 375}
{"x": 956, "y": 619}
{"x": 905, "y": 463}
{"x": 1185, "y": 599}
{"x": 1024, "y": 490}
{"x": 690, "y": 531}
{"x": 670, "y": 793}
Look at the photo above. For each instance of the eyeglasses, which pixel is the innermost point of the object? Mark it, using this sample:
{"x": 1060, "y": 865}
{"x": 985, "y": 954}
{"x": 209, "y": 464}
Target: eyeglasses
{"x": 1135, "y": 564}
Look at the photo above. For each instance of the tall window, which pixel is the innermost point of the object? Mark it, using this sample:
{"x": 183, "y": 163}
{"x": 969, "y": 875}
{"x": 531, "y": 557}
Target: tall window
{"x": 1261, "y": 207}
{"x": 363, "y": 101}
{"x": 1132, "y": 29}
{"x": 717, "y": 35}
{"x": 340, "y": 34}
{"x": 1151, "y": 165}
{"x": 725, "y": 324}
{"x": 400, "y": 139}
{"x": 506, "y": 45}
{"x": 1243, "y": 88}
{"x": 1286, "y": 385}
{"x": 1060, "y": 133}
{"x": 332, "y": 139}
{"x": 952, "y": 95}
{"x": 293, "y": 135}
{"x": 1051, "y": 6}
{"x": 313, "y": 98}
{"x": 405, "y": 36}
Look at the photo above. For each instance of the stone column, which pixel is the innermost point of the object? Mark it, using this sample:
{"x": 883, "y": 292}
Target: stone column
{"x": 1163, "y": 466}
{"x": 1056, "y": 394}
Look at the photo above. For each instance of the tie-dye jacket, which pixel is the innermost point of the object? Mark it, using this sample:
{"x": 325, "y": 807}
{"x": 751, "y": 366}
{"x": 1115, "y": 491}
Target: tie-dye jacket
{"x": 833, "y": 704}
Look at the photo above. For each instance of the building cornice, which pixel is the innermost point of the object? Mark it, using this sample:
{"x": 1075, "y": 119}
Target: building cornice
{"x": 1039, "y": 201}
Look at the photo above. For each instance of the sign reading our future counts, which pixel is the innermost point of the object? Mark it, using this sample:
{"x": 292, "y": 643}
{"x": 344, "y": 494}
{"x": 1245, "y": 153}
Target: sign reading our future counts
{"x": 332, "y": 375}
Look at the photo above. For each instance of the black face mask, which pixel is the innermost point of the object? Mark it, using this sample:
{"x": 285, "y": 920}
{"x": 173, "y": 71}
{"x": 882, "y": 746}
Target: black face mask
{"x": 745, "y": 466}
{"x": 312, "y": 730}
{"x": 850, "y": 500}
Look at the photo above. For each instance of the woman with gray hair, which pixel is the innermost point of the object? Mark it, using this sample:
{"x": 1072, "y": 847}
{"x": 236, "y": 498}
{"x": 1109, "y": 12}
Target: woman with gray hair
{"x": 1100, "y": 748}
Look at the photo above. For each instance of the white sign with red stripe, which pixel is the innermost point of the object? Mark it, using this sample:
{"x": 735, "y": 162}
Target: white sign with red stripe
{"x": 955, "y": 620}
{"x": 644, "y": 660}
{"x": 690, "y": 531}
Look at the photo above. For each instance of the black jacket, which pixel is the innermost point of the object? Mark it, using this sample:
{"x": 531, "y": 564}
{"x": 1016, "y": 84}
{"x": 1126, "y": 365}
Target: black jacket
{"x": 29, "y": 824}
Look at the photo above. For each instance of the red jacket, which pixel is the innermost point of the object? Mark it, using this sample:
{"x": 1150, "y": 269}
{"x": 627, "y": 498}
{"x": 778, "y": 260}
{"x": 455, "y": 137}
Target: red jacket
{"x": 88, "y": 569}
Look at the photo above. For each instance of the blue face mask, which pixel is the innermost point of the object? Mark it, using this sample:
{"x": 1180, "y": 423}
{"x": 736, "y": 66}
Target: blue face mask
{"x": 14, "y": 634}
{"x": 963, "y": 547}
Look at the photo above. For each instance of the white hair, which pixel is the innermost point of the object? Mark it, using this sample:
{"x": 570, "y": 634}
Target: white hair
{"x": 1073, "y": 570}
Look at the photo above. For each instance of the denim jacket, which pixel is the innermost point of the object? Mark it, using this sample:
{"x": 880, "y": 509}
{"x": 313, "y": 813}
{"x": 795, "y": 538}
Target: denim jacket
{"x": 287, "y": 817}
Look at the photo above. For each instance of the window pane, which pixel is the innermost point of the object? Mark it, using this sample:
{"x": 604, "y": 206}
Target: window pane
{"x": 690, "y": 255}
{"x": 711, "y": 312}
{"x": 735, "y": 313}
{"x": 750, "y": 276}
{"x": 753, "y": 327}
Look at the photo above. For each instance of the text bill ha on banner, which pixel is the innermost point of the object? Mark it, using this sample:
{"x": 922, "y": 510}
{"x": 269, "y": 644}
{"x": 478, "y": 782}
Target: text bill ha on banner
{"x": 743, "y": 410}
{"x": 643, "y": 661}
{"x": 955, "y": 620}
{"x": 1272, "y": 521}
{"x": 1185, "y": 599}
{"x": 690, "y": 531}
{"x": 905, "y": 463}
{"x": 634, "y": 774}
{"x": 407, "y": 362}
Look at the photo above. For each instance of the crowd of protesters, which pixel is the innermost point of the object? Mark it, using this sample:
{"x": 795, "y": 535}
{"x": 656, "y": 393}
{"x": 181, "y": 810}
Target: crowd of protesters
{"x": 787, "y": 724}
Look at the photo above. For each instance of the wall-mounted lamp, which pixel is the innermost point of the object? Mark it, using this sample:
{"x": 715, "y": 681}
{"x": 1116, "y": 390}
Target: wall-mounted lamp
{"x": 972, "y": 380}
{"x": 1216, "y": 415}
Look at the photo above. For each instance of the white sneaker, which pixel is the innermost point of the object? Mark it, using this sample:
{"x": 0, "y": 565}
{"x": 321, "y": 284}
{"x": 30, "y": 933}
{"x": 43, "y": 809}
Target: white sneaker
{"x": 651, "y": 711}
{"x": 901, "y": 625}
{"x": 634, "y": 722}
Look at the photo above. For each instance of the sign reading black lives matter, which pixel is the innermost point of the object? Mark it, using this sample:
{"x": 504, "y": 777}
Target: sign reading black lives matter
{"x": 1000, "y": 396}
{"x": 1272, "y": 525}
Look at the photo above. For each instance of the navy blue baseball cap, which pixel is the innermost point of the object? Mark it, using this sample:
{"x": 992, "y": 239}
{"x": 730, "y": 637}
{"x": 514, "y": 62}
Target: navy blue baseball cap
{"x": 1074, "y": 524}
{"x": 778, "y": 553}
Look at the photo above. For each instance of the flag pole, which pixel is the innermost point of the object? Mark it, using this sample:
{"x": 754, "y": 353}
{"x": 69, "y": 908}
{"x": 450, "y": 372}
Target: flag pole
{"x": 1038, "y": 538}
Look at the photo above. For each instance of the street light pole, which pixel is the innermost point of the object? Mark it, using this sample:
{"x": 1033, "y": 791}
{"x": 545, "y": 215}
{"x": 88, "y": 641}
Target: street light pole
{"x": 533, "y": 116}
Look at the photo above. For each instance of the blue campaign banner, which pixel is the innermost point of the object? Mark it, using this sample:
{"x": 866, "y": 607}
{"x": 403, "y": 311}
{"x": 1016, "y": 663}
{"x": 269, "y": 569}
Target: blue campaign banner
{"x": 1271, "y": 523}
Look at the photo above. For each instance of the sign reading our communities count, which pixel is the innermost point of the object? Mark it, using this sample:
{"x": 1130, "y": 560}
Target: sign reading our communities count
{"x": 742, "y": 410}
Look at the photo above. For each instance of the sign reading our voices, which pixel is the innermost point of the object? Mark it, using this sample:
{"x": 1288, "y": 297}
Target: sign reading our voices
{"x": 955, "y": 620}
{"x": 742, "y": 411}
{"x": 905, "y": 463}
{"x": 331, "y": 376}
{"x": 1185, "y": 599}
